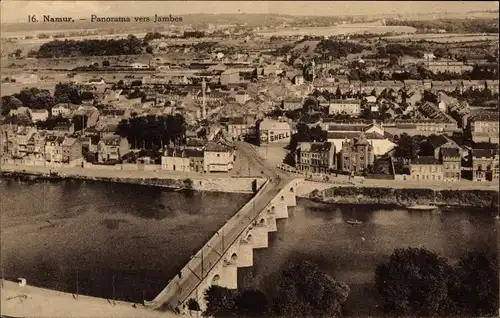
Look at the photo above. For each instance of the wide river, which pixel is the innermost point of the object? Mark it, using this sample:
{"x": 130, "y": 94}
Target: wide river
{"x": 55, "y": 234}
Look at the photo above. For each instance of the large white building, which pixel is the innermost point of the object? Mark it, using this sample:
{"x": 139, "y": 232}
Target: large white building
{"x": 374, "y": 134}
{"x": 274, "y": 131}
{"x": 345, "y": 106}
{"x": 218, "y": 158}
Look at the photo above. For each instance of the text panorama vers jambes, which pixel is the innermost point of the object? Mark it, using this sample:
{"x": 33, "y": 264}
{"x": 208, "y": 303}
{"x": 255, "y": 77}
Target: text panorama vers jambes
{"x": 95, "y": 18}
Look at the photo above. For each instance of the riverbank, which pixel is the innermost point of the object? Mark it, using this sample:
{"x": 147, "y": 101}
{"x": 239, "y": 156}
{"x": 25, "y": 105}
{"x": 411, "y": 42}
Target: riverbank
{"x": 151, "y": 178}
{"x": 31, "y": 301}
{"x": 404, "y": 196}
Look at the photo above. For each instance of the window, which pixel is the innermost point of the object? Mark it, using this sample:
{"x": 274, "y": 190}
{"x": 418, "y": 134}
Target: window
{"x": 218, "y": 155}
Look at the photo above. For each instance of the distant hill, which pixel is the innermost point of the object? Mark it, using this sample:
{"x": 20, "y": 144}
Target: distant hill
{"x": 190, "y": 19}
{"x": 252, "y": 20}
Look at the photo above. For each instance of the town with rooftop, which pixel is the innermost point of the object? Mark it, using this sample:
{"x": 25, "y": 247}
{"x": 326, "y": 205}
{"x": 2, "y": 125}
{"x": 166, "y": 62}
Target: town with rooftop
{"x": 358, "y": 110}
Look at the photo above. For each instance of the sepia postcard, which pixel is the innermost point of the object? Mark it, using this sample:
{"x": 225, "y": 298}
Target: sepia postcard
{"x": 249, "y": 159}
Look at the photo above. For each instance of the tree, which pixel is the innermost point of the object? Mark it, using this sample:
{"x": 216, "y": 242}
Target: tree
{"x": 476, "y": 285}
{"x": 303, "y": 289}
{"x": 414, "y": 282}
{"x": 220, "y": 302}
{"x": 149, "y": 50}
{"x": 407, "y": 147}
{"x": 106, "y": 63}
{"x": 35, "y": 98}
{"x": 9, "y": 103}
{"x": 252, "y": 303}
{"x": 67, "y": 93}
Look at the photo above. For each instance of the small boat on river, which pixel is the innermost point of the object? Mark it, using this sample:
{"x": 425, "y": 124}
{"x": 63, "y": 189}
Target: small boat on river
{"x": 422, "y": 207}
{"x": 354, "y": 222}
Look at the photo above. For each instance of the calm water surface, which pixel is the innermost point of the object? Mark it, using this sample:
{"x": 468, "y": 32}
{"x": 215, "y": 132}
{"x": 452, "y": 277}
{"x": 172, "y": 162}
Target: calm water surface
{"x": 142, "y": 236}
{"x": 138, "y": 236}
{"x": 318, "y": 232}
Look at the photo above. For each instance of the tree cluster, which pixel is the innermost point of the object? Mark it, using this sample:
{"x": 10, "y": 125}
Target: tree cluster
{"x": 408, "y": 147}
{"x": 33, "y": 98}
{"x": 337, "y": 49}
{"x": 68, "y": 93}
{"x": 151, "y": 36}
{"x": 397, "y": 49}
{"x": 302, "y": 289}
{"x": 153, "y": 132}
{"x": 418, "y": 282}
{"x": 452, "y": 25}
{"x": 69, "y": 48}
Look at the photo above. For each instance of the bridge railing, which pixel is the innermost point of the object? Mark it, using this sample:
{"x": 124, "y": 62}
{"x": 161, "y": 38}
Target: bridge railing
{"x": 194, "y": 261}
{"x": 234, "y": 219}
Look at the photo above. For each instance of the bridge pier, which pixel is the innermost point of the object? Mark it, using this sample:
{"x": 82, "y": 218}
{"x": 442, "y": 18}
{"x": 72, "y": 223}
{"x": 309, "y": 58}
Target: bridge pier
{"x": 225, "y": 273}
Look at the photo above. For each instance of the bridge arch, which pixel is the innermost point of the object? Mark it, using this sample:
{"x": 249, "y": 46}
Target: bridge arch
{"x": 273, "y": 209}
{"x": 249, "y": 236}
{"x": 282, "y": 198}
{"x": 291, "y": 189}
{"x": 234, "y": 257}
{"x": 262, "y": 221}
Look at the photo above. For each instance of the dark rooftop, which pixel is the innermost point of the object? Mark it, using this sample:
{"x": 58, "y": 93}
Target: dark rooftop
{"x": 425, "y": 160}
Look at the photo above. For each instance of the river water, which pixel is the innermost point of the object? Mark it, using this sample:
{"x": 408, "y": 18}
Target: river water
{"x": 318, "y": 232}
{"x": 139, "y": 237}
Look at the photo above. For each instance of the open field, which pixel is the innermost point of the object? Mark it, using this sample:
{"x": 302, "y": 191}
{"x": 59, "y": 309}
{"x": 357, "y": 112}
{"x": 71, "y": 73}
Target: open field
{"x": 445, "y": 37}
{"x": 375, "y": 28}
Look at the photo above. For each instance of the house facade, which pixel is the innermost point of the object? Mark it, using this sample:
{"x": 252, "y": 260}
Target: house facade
{"x": 356, "y": 155}
{"x": 484, "y": 127}
{"x": 485, "y": 164}
{"x": 426, "y": 168}
{"x": 71, "y": 150}
{"x": 111, "y": 148}
{"x": 315, "y": 157}
{"x": 218, "y": 158}
{"x": 451, "y": 157}
{"x": 348, "y": 106}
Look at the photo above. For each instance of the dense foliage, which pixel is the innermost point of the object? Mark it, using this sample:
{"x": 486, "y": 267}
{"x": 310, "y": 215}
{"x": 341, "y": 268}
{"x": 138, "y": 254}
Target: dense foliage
{"x": 337, "y": 49}
{"x": 302, "y": 289}
{"x": 153, "y": 132}
{"x": 33, "y": 98}
{"x": 482, "y": 198}
{"x": 416, "y": 281}
{"x": 68, "y": 48}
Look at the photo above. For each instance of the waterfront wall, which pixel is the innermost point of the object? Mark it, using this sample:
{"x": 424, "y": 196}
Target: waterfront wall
{"x": 373, "y": 195}
{"x": 208, "y": 183}
{"x": 238, "y": 253}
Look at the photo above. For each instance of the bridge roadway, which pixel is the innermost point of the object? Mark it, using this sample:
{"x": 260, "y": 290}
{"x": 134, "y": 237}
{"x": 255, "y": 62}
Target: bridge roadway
{"x": 207, "y": 258}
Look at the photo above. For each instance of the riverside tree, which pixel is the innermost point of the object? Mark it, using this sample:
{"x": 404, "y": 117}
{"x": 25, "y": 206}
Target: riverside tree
{"x": 305, "y": 290}
{"x": 418, "y": 282}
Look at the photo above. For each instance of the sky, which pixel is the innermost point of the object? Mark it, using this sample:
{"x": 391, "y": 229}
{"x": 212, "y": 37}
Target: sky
{"x": 17, "y": 11}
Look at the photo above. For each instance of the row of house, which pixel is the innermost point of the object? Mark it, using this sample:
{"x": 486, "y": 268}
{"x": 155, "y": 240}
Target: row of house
{"x": 379, "y": 86}
{"x": 42, "y": 146}
{"x": 212, "y": 157}
{"x": 356, "y": 155}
